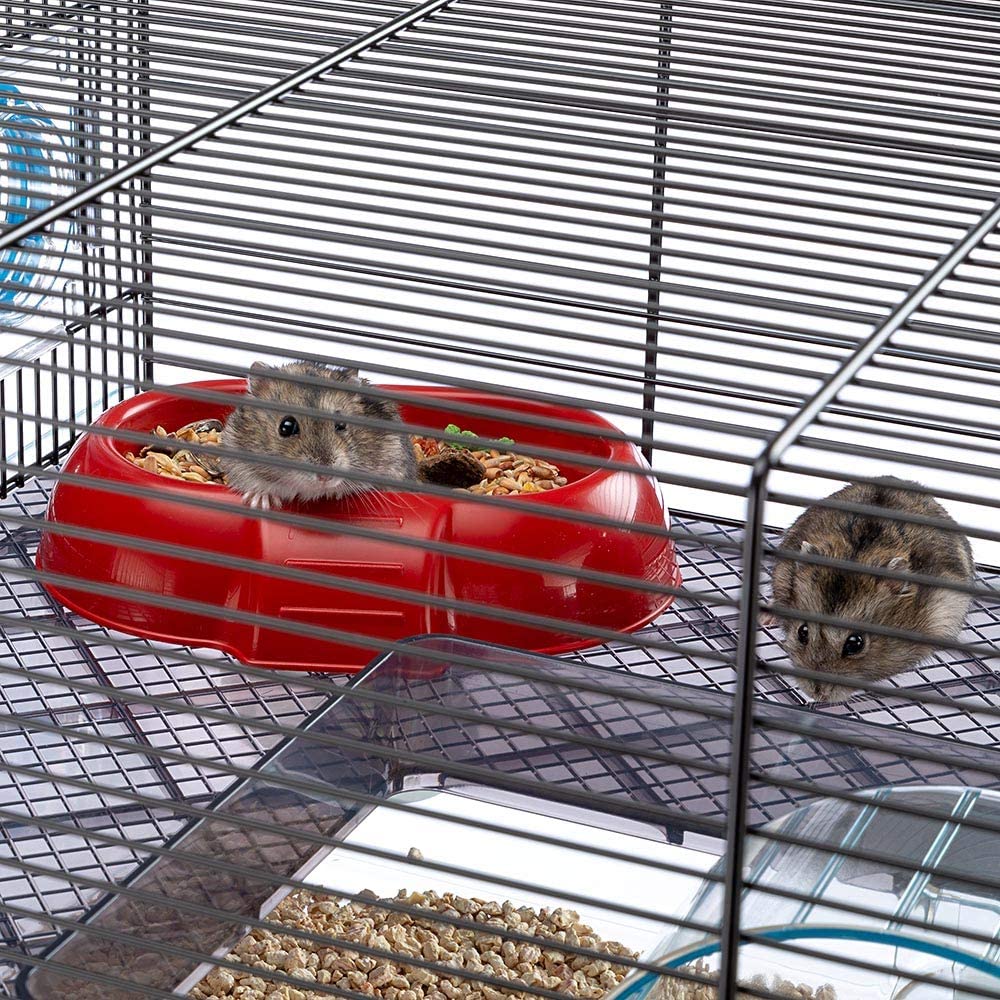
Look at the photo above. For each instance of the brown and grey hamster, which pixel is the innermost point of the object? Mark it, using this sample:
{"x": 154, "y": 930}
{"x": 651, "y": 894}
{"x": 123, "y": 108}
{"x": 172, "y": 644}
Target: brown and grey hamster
{"x": 337, "y": 447}
{"x": 873, "y": 541}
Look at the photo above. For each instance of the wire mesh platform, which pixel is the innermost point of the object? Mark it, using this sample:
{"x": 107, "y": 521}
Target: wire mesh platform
{"x": 123, "y": 748}
{"x": 33, "y": 744}
{"x": 716, "y": 567}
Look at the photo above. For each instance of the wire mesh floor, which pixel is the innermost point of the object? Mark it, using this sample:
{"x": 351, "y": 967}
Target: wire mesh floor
{"x": 35, "y": 753}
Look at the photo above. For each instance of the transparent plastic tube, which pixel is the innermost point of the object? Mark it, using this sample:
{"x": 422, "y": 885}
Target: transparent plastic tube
{"x": 36, "y": 170}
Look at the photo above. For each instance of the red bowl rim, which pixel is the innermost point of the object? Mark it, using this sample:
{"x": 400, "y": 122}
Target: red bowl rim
{"x": 619, "y": 450}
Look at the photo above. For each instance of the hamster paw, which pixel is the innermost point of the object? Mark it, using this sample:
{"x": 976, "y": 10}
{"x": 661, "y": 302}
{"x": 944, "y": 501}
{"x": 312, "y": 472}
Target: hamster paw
{"x": 261, "y": 501}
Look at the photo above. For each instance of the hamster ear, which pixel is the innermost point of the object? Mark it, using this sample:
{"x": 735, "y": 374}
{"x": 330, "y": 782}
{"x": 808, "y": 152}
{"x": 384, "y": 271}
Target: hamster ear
{"x": 809, "y": 549}
{"x": 257, "y": 381}
{"x": 346, "y": 374}
{"x": 904, "y": 588}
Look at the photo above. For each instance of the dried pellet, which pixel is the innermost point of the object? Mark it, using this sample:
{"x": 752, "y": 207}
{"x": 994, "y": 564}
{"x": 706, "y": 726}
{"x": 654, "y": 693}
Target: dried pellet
{"x": 456, "y": 949}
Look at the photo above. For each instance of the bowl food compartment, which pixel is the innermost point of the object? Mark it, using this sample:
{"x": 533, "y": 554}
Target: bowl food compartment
{"x": 391, "y": 556}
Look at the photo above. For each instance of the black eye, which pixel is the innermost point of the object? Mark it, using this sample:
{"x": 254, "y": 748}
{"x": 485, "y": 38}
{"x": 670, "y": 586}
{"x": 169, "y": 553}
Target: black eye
{"x": 853, "y": 644}
{"x": 340, "y": 426}
{"x": 803, "y": 633}
{"x": 288, "y": 427}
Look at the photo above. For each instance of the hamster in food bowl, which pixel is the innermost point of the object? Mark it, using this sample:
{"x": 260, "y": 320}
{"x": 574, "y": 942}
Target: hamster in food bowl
{"x": 326, "y": 438}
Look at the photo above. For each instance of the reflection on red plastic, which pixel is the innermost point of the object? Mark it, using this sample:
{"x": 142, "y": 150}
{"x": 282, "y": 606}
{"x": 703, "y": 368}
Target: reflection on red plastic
{"x": 394, "y": 574}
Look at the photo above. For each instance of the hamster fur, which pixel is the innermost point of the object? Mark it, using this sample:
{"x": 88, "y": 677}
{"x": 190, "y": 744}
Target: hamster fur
{"x": 337, "y": 447}
{"x": 872, "y": 541}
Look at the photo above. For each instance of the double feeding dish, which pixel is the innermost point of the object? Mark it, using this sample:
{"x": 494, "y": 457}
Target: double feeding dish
{"x": 377, "y": 570}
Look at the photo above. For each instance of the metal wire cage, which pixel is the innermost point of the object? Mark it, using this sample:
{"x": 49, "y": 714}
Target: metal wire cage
{"x": 725, "y": 256}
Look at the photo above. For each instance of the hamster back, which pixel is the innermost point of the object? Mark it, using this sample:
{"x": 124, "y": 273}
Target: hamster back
{"x": 847, "y": 652}
{"x": 326, "y": 437}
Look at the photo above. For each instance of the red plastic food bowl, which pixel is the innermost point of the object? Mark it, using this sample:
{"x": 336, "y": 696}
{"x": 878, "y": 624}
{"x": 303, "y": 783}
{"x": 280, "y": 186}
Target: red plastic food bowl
{"x": 513, "y": 525}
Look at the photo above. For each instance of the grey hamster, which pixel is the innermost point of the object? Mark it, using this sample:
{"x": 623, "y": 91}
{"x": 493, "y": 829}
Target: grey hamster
{"x": 337, "y": 446}
{"x": 898, "y": 604}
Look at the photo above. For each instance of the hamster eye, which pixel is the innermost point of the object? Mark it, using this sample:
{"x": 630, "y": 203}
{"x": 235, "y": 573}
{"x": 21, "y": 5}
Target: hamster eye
{"x": 340, "y": 426}
{"x": 288, "y": 427}
{"x": 853, "y": 644}
{"x": 803, "y": 633}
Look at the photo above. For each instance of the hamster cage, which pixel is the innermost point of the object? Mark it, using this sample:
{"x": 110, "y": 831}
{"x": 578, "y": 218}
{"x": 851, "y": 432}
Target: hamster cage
{"x": 756, "y": 238}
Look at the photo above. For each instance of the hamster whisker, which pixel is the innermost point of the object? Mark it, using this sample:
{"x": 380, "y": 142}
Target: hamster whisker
{"x": 364, "y": 496}
{"x": 397, "y": 501}
{"x": 373, "y": 502}
{"x": 367, "y": 499}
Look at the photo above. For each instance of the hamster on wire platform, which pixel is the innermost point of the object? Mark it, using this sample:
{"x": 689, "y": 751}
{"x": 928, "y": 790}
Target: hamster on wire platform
{"x": 847, "y": 652}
